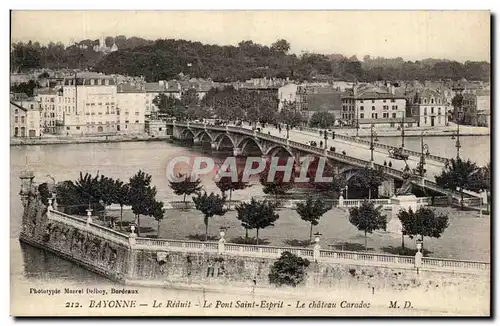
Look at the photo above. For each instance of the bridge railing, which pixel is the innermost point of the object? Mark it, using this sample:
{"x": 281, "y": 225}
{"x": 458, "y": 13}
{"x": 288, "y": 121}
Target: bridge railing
{"x": 378, "y": 145}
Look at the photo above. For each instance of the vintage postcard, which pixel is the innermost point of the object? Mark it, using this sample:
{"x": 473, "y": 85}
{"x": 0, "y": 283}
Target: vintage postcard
{"x": 250, "y": 163}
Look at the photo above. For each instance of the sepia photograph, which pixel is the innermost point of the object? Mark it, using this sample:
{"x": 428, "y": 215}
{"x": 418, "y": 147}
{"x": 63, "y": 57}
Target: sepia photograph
{"x": 250, "y": 163}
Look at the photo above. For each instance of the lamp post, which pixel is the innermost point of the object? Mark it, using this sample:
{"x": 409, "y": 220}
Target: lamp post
{"x": 346, "y": 189}
{"x": 326, "y": 138}
{"x": 373, "y": 138}
{"x": 423, "y": 147}
{"x": 287, "y": 130}
{"x": 418, "y": 255}
{"x": 457, "y": 143}
{"x": 403, "y": 131}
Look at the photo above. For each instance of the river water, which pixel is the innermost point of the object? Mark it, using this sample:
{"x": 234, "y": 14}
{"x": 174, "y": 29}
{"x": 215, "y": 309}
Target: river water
{"x": 121, "y": 160}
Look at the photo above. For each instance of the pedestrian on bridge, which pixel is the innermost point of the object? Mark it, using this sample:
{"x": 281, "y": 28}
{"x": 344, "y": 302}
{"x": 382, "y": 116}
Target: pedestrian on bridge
{"x": 390, "y": 164}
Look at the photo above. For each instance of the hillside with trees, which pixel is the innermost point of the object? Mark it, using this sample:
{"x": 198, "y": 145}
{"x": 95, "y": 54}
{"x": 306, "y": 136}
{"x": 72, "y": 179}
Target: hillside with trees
{"x": 164, "y": 59}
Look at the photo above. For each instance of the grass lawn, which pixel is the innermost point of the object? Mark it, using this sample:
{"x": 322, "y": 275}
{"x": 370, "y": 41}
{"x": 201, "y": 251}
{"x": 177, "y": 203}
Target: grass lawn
{"x": 467, "y": 237}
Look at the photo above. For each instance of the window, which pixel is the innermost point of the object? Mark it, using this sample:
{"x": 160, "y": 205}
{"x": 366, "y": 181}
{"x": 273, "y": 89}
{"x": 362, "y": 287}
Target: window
{"x": 373, "y": 108}
{"x": 361, "y": 101}
{"x": 439, "y": 111}
{"x": 361, "y": 108}
{"x": 16, "y": 111}
{"x": 394, "y": 115}
{"x": 136, "y": 121}
{"x": 425, "y": 101}
{"x": 384, "y": 101}
{"x": 88, "y": 113}
{"x": 137, "y": 113}
{"x": 374, "y": 116}
{"x": 100, "y": 113}
{"x": 394, "y": 107}
{"x": 68, "y": 128}
{"x": 439, "y": 120}
{"x": 432, "y": 100}
{"x": 432, "y": 110}
{"x": 126, "y": 121}
{"x": 22, "y": 119}
{"x": 391, "y": 124}
{"x": 425, "y": 111}
{"x": 373, "y": 101}
{"x": 393, "y": 100}
{"x": 361, "y": 115}
{"x": 16, "y": 118}
{"x": 31, "y": 106}
{"x": 385, "y": 115}
{"x": 439, "y": 101}
{"x": 425, "y": 120}
{"x": 93, "y": 113}
{"x": 386, "y": 107}
{"x": 78, "y": 128}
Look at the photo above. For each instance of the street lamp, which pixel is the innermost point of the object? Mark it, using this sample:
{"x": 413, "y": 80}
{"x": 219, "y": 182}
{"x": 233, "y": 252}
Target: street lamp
{"x": 423, "y": 147}
{"x": 346, "y": 189}
{"x": 326, "y": 138}
{"x": 287, "y": 130}
{"x": 457, "y": 143}
{"x": 373, "y": 138}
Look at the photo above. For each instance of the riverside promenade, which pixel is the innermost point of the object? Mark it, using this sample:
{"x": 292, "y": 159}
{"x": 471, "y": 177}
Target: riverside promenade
{"x": 51, "y": 140}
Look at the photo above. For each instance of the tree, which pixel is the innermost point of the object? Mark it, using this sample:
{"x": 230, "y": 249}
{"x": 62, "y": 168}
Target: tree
{"x": 484, "y": 181}
{"x": 141, "y": 196}
{"x": 226, "y": 184}
{"x": 289, "y": 269}
{"x": 281, "y": 46}
{"x": 311, "y": 211}
{"x": 256, "y": 215}
{"x": 424, "y": 222}
{"x": 276, "y": 187}
{"x": 290, "y": 115}
{"x": 209, "y": 205}
{"x": 368, "y": 178}
{"x": 187, "y": 186}
{"x": 122, "y": 197}
{"x": 367, "y": 218}
{"x": 322, "y": 120}
{"x": 461, "y": 175}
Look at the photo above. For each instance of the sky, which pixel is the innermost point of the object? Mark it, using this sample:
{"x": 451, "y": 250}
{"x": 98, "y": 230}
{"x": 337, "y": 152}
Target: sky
{"x": 412, "y": 35}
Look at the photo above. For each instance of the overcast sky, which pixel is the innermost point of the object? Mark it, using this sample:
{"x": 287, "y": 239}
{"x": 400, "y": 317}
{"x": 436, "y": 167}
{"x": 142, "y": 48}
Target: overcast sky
{"x": 413, "y": 35}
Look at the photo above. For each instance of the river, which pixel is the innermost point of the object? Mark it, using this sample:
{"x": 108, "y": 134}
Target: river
{"x": 121, "y": 160}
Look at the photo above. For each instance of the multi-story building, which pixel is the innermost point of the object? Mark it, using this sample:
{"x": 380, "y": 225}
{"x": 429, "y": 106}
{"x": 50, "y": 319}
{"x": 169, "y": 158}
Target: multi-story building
{"x": 475, "y": 109}
{"x": 152, "y": 91}
{"x": 287, "y": 93}
{"x": 368, "y": 105}
{"x": 130, "y": 108}
{"x": 89, "y": 105}
{"x": 25, "y": 119}
{"x": 49, "y": 103}
{"x": 429, "y": 108}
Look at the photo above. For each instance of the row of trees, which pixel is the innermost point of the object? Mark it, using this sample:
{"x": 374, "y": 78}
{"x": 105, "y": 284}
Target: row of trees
{"x": 97, "y": 192}
{"x": 165, "y": 59}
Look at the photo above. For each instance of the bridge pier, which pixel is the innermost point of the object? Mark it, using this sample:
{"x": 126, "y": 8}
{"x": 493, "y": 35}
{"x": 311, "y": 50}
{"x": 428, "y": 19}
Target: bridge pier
{"x": 237, "y": 151}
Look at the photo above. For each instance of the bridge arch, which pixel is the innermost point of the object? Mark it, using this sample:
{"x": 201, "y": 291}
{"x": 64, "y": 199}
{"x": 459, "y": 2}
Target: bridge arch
{"x": 275, "y": 149}
{"x": 187, "y": 134}
{"x": 220, "y": 138}
{"x": 246, "y": 141}
{"x": 203, "y": 134}
{"x": 349, "y": 172}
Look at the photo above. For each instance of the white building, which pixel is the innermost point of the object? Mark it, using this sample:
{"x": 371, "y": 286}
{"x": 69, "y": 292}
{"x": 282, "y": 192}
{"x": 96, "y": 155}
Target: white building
{"x": 89, "y": 105}
{"x": 51, "y": 111}
{"x": 25, "y": 119}
{"x": 432, "y": 108}
{"x": 370, "y": 105}
{"x": 131, "y": 108}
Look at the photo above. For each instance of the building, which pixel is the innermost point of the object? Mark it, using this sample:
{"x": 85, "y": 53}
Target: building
{"x": 366, "y": 105}
{"x": 287, "y": 93}
{"x": 156, "y": 128}
{"x": 89, "y": 105}
{"x": 24, "y": 119}
{"x": 50, "y": 109}
{"x": 475, "y": 109}
{"x": 152, "y": 91}
{"x": 130, "y": 108}
{"x": 429, "y": 107}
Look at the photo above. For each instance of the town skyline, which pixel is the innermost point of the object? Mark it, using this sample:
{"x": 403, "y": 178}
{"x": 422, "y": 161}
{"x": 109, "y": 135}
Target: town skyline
{"x": 397, "y": 35}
